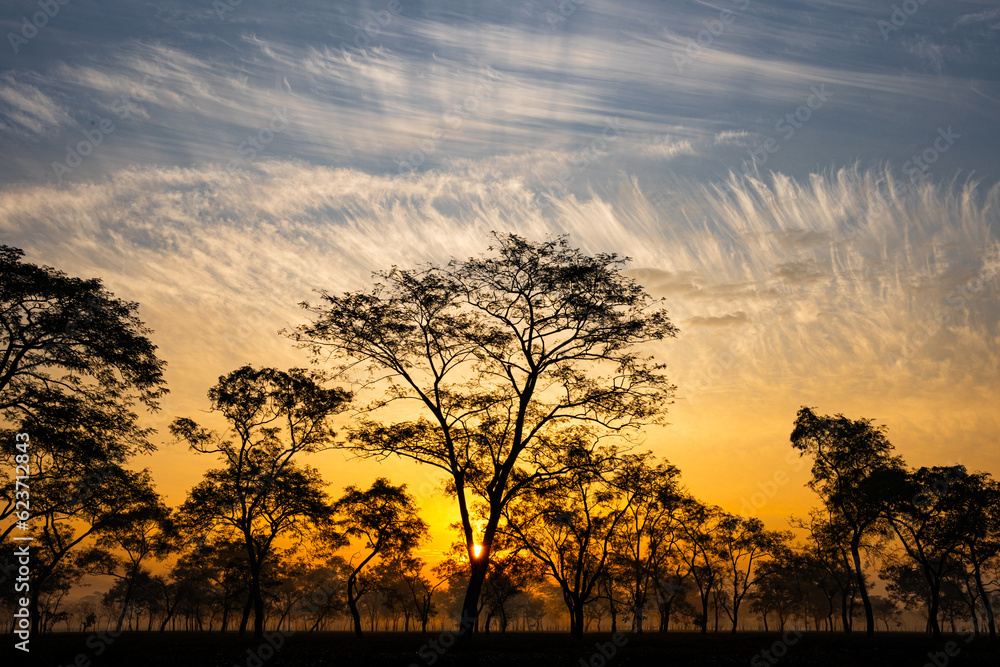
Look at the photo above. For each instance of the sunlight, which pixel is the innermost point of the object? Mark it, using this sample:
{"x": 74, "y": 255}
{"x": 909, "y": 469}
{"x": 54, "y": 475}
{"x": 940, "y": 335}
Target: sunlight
{"x": 476, "y": 550}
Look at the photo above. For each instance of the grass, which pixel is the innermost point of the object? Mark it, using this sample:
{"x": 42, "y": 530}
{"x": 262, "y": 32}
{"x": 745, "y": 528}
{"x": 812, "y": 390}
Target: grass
{"x": 328, "y": 649}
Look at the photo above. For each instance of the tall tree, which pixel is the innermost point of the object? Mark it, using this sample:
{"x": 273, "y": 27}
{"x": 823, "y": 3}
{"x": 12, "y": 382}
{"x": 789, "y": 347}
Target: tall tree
{"x": 496, "y": 351}
{"x": 854, "y": 472}
{"x": 69, "y": 341}
{"x": 385, "y": 518}
{"x": 646, "y": 533}
{"x": 75, "y": 364}
{"x": 978, "y": 505}
{"x": 261, "y": 492}
{"x": 698, "y": 526}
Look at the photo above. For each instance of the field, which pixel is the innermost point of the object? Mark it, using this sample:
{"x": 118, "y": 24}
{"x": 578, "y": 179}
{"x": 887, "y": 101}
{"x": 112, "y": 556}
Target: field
{"x": 516, "y": 649}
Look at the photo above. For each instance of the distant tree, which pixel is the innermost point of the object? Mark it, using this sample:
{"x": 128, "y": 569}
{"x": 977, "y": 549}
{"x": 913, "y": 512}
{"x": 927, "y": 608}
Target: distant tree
{"x": 568, "y": 524}
{"x": 828, "y": 563}
{"x": 698, "y": 527}
{"x": 122, "y": 548}
{"x": 513, "y": 575}
{"x": 929, "y": 517}
{"x": 418, "y": 587}
{"x": 906, "y": 585}
{"x": 779, "y": 590}
{"x": 261, "y": 493}
{"x": 886, "y": 610}
{"x": 853, "y": 471}
{"x": 384, "y": 517}
{"x": 645, "y": 534}
{"x": 497, "y": 351}
{"x": 743, "y": 545}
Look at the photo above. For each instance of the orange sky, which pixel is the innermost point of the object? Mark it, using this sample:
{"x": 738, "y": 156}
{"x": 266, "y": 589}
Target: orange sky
{"x": 778, "y": 307}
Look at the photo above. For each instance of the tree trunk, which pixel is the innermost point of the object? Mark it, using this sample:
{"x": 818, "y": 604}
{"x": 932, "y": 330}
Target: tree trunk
{"x": 243, "y": 621}
{"x": 932, "y": 614}
{"x": 352, "y": 602}
{"x": 991, "y": 624}
{"x": 258, "y": 607}
{"x": 862, "y": 588}
{"x": 470, "y": 606}
{"x": 576, "y": 619}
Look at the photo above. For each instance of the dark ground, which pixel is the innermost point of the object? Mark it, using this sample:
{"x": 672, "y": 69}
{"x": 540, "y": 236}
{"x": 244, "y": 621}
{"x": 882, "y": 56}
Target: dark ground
{"x": 516, "y": 649}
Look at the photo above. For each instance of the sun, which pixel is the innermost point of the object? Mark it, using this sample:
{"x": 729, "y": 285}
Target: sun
{"x": 476, "y": 550}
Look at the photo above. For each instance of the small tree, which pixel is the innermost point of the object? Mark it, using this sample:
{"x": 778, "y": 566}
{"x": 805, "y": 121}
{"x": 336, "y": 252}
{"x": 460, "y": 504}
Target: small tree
{"x": 123, "y": 547}
{"x": 743, "y": 544}
{"x": 385, "y": 518}
{"x": 568, "y": 524}
{"x": 261, "y": 493}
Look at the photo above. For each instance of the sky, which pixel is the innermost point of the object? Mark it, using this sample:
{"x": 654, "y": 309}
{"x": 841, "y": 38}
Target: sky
{"x": 813, "y": 187}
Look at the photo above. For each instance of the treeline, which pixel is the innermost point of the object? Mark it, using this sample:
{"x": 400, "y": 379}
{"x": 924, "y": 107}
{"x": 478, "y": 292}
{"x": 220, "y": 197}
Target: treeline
{"x": 523, "y": 370}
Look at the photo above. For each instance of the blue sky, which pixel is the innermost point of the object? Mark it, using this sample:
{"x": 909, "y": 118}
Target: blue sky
{"x": 705, "y": 82}
{"x": 811, "y": 185}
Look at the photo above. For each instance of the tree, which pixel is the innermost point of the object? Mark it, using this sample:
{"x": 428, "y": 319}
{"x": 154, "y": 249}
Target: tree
{"x": 496, "y": 351}
{"x": 261, "y": 492}
{"x": 385, "y": 518}
{"x": 645, "y": 535}
{"x": 418, "y": 587}
{"x": 977, "y": 501}
{"x": 122, "y": 548}
{"x": 75, "y": 361}
{"x": 829, "y": 564}
{"x": 698, "y": 526}
{"x": 930, "y": 519}
{"x": 743, "y": 543}
{"x": 568, "y": 523}
{"x": 49, "y": 323}
{"x": 854, "y": 472}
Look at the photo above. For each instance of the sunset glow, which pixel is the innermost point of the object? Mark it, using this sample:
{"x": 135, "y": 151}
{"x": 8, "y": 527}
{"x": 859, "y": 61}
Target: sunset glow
{"x": 358, "y": 237}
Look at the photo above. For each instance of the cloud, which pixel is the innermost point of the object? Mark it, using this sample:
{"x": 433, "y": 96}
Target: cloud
{"x": 27, "y": 112}
{"x": 728, "y": 320}
{"x": 985, "y": 16}
{"x": 667, "y": 148}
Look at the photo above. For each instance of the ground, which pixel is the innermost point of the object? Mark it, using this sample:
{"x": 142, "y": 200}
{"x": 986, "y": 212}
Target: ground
{"x": 517, "y": 649}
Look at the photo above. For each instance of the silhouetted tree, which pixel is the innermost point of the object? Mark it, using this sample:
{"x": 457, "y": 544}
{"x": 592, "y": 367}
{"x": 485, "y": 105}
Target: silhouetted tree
{"x": 261, "y": 493}
{"x": 51, "y": 323}
{"x": 853, "y": 471}
{"x": 698, "y": 526}
{"x": 497, "y": 350}
{"x": 568, "y": 523}
{"x": 646, "y": 533}
{"x": 743, "y": 544}
{"x": 385, "y": 518}
{"x": 122, "y": 549}
{"x": 929, "y": 519}
{"x": 75, "y": 361}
